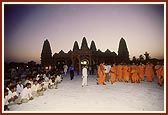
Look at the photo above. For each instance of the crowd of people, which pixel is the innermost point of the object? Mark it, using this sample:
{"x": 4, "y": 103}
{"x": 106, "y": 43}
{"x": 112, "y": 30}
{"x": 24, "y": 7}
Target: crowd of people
{"x": 130, "y": 72}
{"x": 32, "y": 87}
{"x": 35, "y": 86}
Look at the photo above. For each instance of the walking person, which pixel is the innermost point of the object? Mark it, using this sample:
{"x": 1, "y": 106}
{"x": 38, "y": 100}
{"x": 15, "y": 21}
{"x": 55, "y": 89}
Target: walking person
{"x": 84, "y": 76}
{"x": 71, "y": 72}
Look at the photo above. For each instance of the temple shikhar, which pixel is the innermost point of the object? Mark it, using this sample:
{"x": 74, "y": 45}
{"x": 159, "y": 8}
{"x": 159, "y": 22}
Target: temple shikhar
{"x": 84, "y": 54}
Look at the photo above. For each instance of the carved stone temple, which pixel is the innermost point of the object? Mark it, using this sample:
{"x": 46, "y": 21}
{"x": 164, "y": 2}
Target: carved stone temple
{"x": 76, "y": 56}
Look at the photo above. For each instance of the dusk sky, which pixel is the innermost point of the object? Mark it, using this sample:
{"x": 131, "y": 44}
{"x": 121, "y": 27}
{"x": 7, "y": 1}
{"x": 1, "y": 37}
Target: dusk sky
{"x": 27, "y": 26}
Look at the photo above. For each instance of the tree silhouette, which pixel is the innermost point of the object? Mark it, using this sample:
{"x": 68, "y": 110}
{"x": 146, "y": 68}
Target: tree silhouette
{"x": 141, "y": 58}
{"x": 134, "y": 59}
{"x": 147, "y": 57}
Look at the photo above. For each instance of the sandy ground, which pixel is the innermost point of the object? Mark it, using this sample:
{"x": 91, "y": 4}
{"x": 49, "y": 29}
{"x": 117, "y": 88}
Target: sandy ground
{"x": 119, "y": 97}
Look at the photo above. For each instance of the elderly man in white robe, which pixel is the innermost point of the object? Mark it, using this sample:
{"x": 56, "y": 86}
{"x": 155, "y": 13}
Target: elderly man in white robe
{"x": 84, "y": 76}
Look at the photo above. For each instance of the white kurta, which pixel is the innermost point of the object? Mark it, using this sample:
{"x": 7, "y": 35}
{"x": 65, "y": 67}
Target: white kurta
{"x": 34, "y": 87}
{"x": 65, "y": 69}
{"x": 26, "y": 93}
{"x": 19, "y": 88}
{"x": 84, "y": 76}
{"x": 6, "y": 100}
{"x": 10, "y": 95}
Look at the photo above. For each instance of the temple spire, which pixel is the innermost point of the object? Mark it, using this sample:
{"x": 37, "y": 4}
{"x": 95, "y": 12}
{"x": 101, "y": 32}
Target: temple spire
{"x": 123, "y": 54}
{"x": 84, "y": 45}
{"x": 46, "y": 54}
{"x": 93, "y": 46}
{"x": 76, "y": 46}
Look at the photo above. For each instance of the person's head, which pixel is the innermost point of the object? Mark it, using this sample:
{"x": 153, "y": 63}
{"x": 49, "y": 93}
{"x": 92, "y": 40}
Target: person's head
{"x": 39, "y": 81}
{"x": 35, "y": 82}
{"x": 15, "y": 89}
{"x": 27, "y": 78}
{"x": 30, "y": 79}
{"x": 5, "y": 92}
{"x": 34, "y": 78}
{"x": 9, "y": 83}
{"x": 12, "y": 88}
{"x": 28, "y": 85}
{"x": 19, "y": 82}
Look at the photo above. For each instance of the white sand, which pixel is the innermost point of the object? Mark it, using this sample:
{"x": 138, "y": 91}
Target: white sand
{"x": 119, "y": 97}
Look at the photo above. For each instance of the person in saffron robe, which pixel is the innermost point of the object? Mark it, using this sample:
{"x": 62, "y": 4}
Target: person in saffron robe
{"x": 126, "y": 73}
{"x": 158, "y": 71}
{"x": 101, "y": 74}
{"x": 141, "y": 71}
{"x": 161, "y": 80}
{"x": 134, "y": 74}
{"x": 113, "y": 73}
{"x": 149, "y": 72}
{"x": 119, "y": 72}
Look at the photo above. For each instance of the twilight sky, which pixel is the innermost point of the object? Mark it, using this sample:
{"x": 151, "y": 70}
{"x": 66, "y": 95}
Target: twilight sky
{"x": 26, "y": 26}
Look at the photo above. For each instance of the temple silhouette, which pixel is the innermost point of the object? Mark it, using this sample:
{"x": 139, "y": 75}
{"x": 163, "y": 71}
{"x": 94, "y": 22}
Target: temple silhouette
{"x": 75, "y": 57}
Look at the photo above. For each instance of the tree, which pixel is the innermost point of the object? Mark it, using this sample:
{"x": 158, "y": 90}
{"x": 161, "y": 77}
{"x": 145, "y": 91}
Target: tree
{"x": 134, "y": 60}
{"x": 141, "y": 58}
{"x": 147, "y": 57}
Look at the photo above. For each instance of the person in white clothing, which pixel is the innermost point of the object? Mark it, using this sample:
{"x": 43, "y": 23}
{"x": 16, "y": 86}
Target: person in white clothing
{"x": 14, "y": 95}
{"x": 26, "y": 94}
{"x": 65, "y": 69}
{"x": 34, "y": 89}
{"x": 52, "y": 83}
{"x": 84, "y": 76}
{"x": 8, "y": 85}
{"x": 6, "y": 100}
{"x": 19, "y": 87}
{"x": 107, "y": 72}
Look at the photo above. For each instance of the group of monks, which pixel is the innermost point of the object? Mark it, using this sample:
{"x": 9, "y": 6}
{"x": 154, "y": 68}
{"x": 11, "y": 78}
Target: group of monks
{"x": 133, "y": 73}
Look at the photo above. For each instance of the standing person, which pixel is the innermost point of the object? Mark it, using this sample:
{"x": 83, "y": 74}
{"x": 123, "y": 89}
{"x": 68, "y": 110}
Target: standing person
{"x": 126, "y": 73}
{"x": 159, "y": 73}
{"x": 71, "y": 69}
{"x": 161, "y": 80}
{"x": 101, "y": 74}
{"x": 90, "y": 70}
{"x": 84, "y": 76}
{"x": 113, "y": 73}
{"x": 65, "y": 69}
{"x": 134, "y": 74}
{"x": 149, "y": 72}
{"x": 141, "y": 69}
{"x": 120, "y": 72}
{"x": 107, "y": 70}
